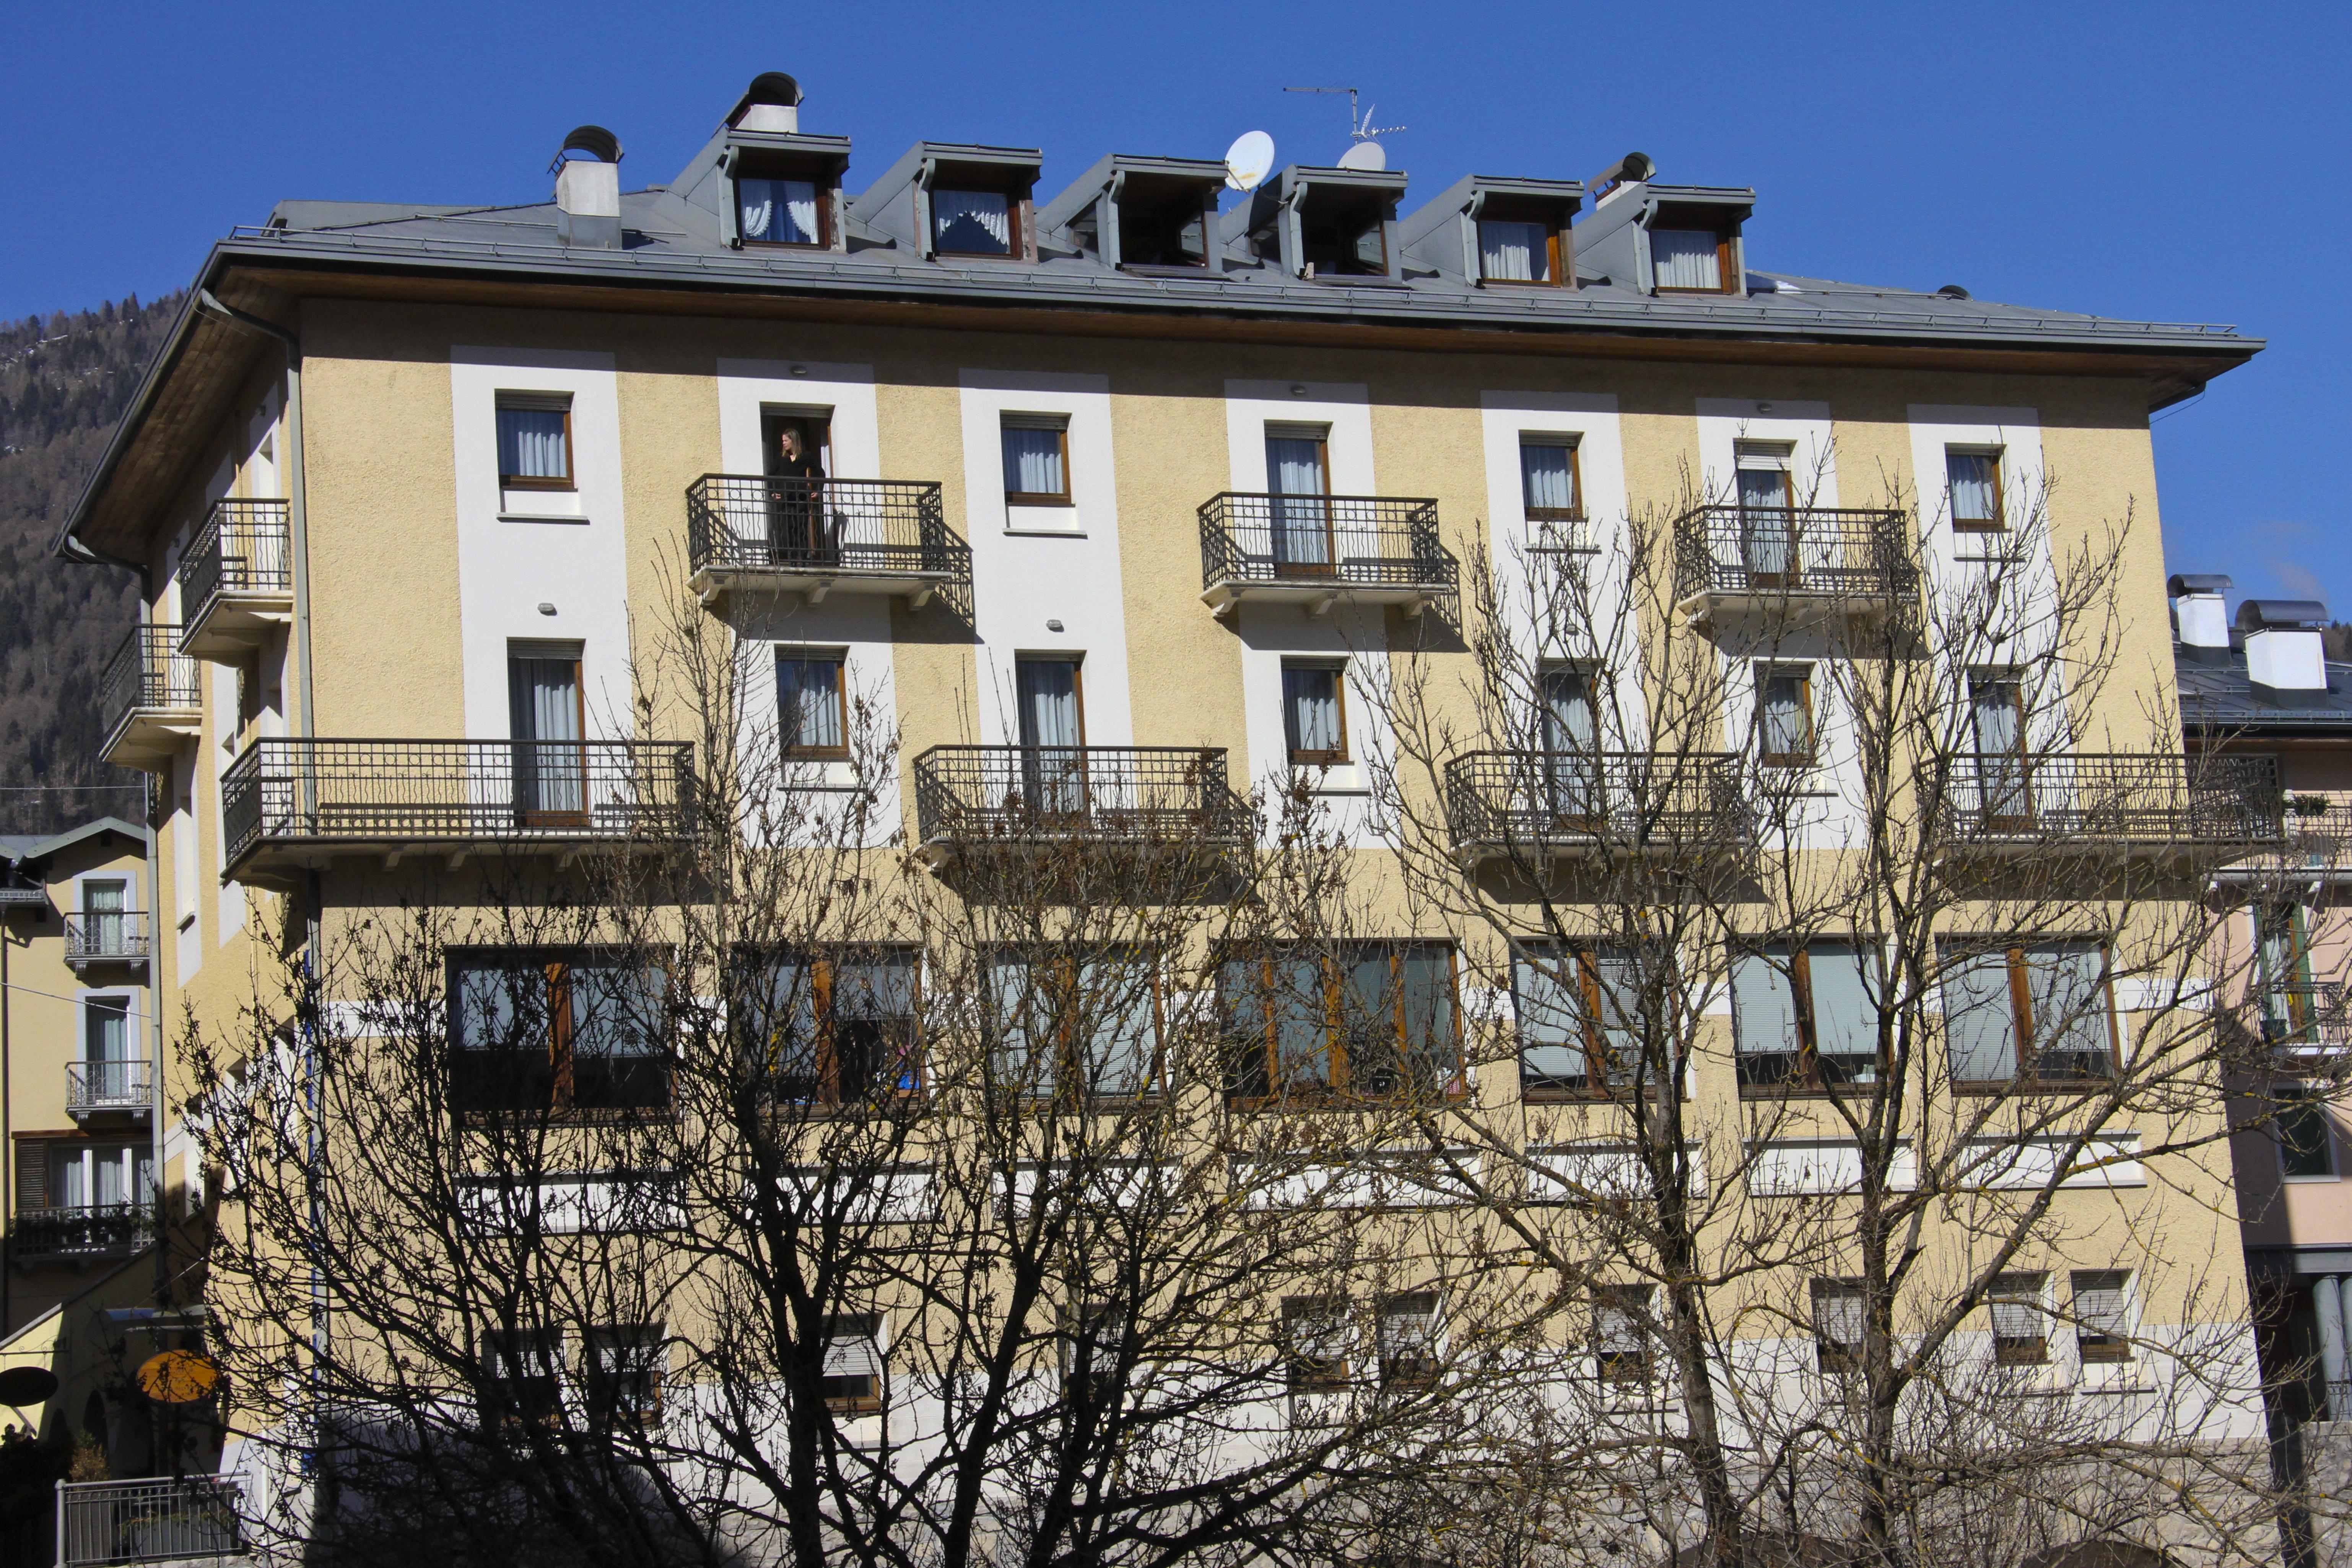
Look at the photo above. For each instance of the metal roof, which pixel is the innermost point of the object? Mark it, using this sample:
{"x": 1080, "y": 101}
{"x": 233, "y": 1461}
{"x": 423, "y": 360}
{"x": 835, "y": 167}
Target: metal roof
{"x": 2222, "y": 698}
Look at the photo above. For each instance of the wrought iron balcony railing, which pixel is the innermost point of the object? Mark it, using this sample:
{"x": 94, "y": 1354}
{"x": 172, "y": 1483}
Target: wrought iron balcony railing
{"x": 147, "y": 674}
{"x": 2307, "y": 1018}
{"x": 106, "y": 936}
{"x": 876, "y": 535}
{"x": 84, "y": 1230}
{"x": 1376, "y": 549}
{"x": 241, "y": 560}
{"x": 1082, "y": 795}
{"x": 391, "y": 795}
{"x": 2153, "y": 800}
{"x": 1855, "y": 556}
{"x": 102, "y": 1524}
{"x": 107, "y": 1086}
{"x": 1542, "y": 803}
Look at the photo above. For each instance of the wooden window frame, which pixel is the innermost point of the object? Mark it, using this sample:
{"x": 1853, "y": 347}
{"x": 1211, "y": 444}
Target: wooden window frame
{"x": 1828, "y": 1358}
{"x": 561, "y": 1029}
{"x": 824, "y": 176}
{"x": 2296, "y": 1099}
{"x": 1065, "y": 961}
{"x": 1729, "y": 281}
{"x": 1555, "y": 249}
{"x": 823, "y": 965}
{"x": 2029, "y": 1078}
{"x": 1020, "y": 220}
{"x": 1012, "y": 419}
{"x": 1077, "y": 663}
{"x": 1634, "y": 1301}
{"x": 842, "y": 1401}
{"x": 1304, "y": 758}
{"x": 791, "y": 750}
{"x": 1315, "y": 1375}
{"x": 1339, "y": 1087}
{"x": 2013, "y": 1288}
{"x": 1999, "y": 522}
{"x": 545, "y": 1346}
{"x": 1767, "y": 672}
{"x": 1806, "y": 1077}
{"x": 2286, "y": 1011}
{"x": 540, "y": 403}
{"x": 2102, "y": 1352}
{"x": 1205, "y": 204}
{"x": 1590, "y": 1014}
{"x": 602, "y": 1383}
{"x": 1575, "y": 446}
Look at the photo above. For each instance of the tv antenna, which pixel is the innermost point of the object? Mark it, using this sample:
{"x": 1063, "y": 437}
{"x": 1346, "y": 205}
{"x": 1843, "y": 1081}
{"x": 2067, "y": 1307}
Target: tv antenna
{"x": 1366, "y": 153}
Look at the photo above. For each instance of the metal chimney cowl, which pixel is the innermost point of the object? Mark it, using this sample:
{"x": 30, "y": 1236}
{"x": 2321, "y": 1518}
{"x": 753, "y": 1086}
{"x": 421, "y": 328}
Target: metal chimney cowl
{"x": 588, "y": 204}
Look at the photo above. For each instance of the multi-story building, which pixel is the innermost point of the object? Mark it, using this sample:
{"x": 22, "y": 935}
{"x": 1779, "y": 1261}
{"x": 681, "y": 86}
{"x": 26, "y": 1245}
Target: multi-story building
{"x": 1112, "y": 508}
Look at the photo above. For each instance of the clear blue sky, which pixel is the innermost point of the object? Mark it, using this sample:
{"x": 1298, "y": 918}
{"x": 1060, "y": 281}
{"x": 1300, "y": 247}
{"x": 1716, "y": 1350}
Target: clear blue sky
{"x": 2162, "y": 162}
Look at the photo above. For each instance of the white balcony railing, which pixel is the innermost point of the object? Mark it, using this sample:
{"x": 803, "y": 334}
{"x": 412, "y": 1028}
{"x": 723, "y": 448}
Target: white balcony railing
{"x": 102, "y": 1523}
{"x": 107, "y": 1086}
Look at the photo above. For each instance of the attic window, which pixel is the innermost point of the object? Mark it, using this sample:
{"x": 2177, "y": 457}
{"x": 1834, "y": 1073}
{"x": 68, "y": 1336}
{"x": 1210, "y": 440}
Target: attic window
{"x": 967, "y": 222}
{"x": 1691, "y": 260}
{"x": 1345, "y": 237}
{"x": 1163, "y": 224}
{"x": 1519, "y": 244}
{"x": 779, "y": 211}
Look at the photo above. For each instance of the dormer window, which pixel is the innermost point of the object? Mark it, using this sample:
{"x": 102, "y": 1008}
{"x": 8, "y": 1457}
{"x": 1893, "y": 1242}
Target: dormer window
{"x": 1170, "y": 232}
{"x": 1345, "y": 239}
{"x": 975, "y": 222}
{"x": 1519, "y": 244}
{"x": 1691, "y": 260}
{"x": 782, "y": 212}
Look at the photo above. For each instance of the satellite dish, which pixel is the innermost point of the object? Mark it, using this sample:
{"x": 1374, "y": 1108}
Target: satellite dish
{"x": 1249, "y": 160}
{"x": 1365, "y": 155}
{"x": 23, "y": 1385}
{"x": 177, "y": 1377}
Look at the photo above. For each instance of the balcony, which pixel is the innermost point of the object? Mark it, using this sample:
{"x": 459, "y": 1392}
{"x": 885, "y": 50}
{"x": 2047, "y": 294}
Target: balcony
{"x": 1808, "y": 562}
{"x": 106, "y": 936}
{"x": 149, "y": 704}
{"x": 237, "y": 581}
{"x": 1121, "y": 797}
{"x": 291, "y": 802}
{"x": 1315, "y": 551}
{"x": 112, "y": 1088}
{"x": 2315, "y": 846}
{"x": 1546, "y": 805}
{"x": 104, "y": 1523}
{"x": 2134, "y": 804}
{"x": 2308, "y": 1020}
{"x": 746, "y": 533}
{"x": 82, "y": 1232}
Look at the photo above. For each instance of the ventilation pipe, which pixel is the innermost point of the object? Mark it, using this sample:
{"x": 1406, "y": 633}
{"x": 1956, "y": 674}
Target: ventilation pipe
{"x": 2287, "y": 656}
{"x": 772, "y": 102}
{"x": 588, "y": 188}
{"x": 2199, "y": 620}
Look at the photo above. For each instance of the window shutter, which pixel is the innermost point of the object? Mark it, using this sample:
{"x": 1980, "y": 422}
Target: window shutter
{"x": 2099, "y": 1302}
{"x": 32, "y": 1174}
{"x": 853, "y": 1346}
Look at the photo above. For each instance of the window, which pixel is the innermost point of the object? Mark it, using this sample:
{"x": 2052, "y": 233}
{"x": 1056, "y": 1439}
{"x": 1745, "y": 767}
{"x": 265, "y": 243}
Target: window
{"x": 850, "y": 1382}
{"x": 1170, "y": 231}
{"x": 2304, "y": 1132}
{"x": 1075, "y": 1026}
{"x": 1315, "y": 713}
{"x": 2283, "y": 959}
{"x": 1974, "y": 477}
{"x": 2020, "y": 1322}
{"x": 1036, "y": 460}
{"x": 1315, "y": 1343}
{"x": 1518, "y": 245}
{"x": 1345, "y": 235}
{"x": 976, "y": 222}
{"x": 2049, "y": 996}
{"x": 812, "y": 715}
{"x": 1549, "y": 486}
{"x": 1761, "y": 477}
{"x": 1579, "y": 1020}
{"x": 534, "y": 441}
{"x": 1838, "y": 1324}
{"x": 2102, "y": 1314}
{"x": 1621, "y": 1337}
{"x": 1804, "y": 1016}
{"x": 831, "y": 1028}
{"x": 624, "y": 1367}
{"x": 558, "y": 1030}
{"x": 1407, "y": 1331}
{"x": 71, "y": 1174}
{"x": 1091, "y": 1349}
{"x": 521, "y": 1378}
{"x": 102, "y": 907}
{"x": 781, "y": 209}
{"x": 2004, "y": 800}
{"x": 1370, "y": 1020}
{"x": 548, "y": 720}
{"x": 1692, "y": 260}
{"x": 1784, "y": 715}
{"x": 106, "y": 1044}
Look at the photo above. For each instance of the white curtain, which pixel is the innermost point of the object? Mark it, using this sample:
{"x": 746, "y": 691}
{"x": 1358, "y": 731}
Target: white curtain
{"x": 808, "y": 703}
{"x": 1514, "y": 252}
{"x": 107, "y": 1020}
{"x": 530, "y": 444}
{"x": 1786, "y": 728}
{"x": 1546, "y": 478}
{"x": 780, "y": 212}
{"x": 1294, "y": 470}
{"x": 1048, "y": 695}
{"x": 1033, "y": 461}
{"x": 1024, "y": 1018}
{"x": 1976, "y": 485}
{"x": 1311, "y": 705}
{"x": 543, "y": 698}
{"x": 1293, "y": 465}
{"x": 977, "y": 222}
{"x": 1686, "y": 259}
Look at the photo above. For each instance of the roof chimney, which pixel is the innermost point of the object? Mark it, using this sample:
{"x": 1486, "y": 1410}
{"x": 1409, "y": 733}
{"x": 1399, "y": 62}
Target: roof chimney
{"x": 588, "y": 188}
{"x": 2286, "y": 658}
{"x": 772, "y": 102}
{"x": 2199, "y": 620}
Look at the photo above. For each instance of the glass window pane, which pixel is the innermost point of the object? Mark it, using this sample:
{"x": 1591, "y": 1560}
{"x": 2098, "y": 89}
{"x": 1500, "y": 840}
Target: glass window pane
{"x": 1786, "y": 724}
{"x": 1033, "y": 462}
{"x": 1021, "y": 1013}
{"x": 531, "y": 444}
{"x": 1980, "y": 1020}
{"x": 1118, "y": 1023}
{"x": 1845, "y": 1020}
{"x": 1547, "y": 476}
{"x": 1311, "y": 711}
{"x": 1764, "y": 1015}
{"x": 1302, "y": 1038}
{"x": 978, "y": 223}
{"x": 778, "y": 212}
{"x": 808, "y": 703}
{"x": 1550, "y": 1021}
{"x": 775, "y": 1007}
{"x": 106, "y": 1022}
{"x": 2066, "y": 984}
{"x": 1514, "y": 252}
{"x": 1425, "y": 996}
{"x": 873, "y": 1024}
{"x": 1975, "y": 480}
{"x": 1765, "y": 488}
{"x": 2305, "y": 1138}
{"x": 1686, "y": 259}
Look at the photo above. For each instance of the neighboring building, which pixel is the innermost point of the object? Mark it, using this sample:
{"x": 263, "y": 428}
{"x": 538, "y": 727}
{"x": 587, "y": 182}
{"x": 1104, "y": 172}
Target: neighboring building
{"x": 404, "y": 479}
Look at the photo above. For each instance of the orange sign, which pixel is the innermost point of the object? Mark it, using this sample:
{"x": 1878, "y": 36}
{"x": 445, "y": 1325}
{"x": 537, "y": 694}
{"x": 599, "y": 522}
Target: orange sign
{"x": 177, "y": 1377}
